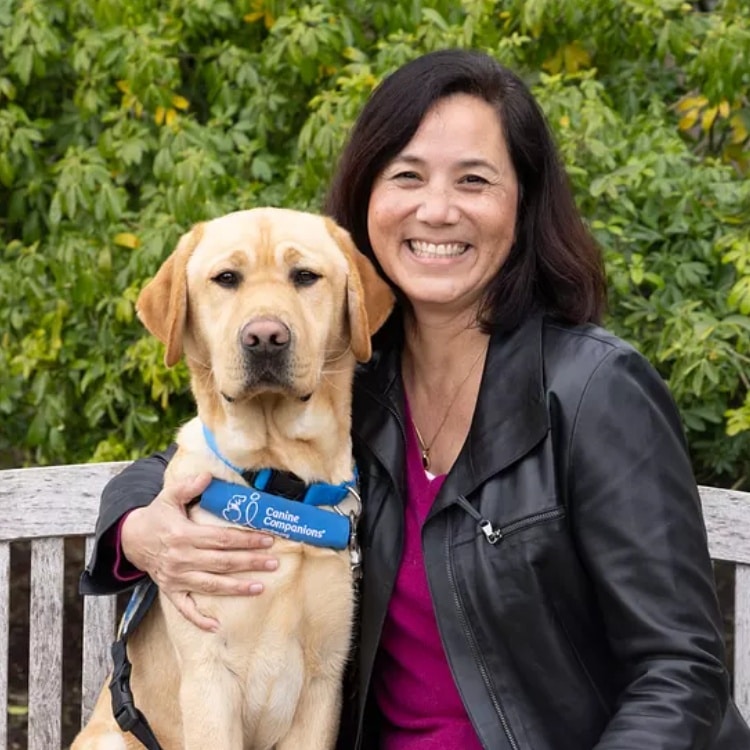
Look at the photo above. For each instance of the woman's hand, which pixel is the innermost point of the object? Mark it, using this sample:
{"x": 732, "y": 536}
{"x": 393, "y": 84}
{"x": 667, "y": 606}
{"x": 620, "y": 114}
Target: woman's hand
{"x": 182, "y": 556}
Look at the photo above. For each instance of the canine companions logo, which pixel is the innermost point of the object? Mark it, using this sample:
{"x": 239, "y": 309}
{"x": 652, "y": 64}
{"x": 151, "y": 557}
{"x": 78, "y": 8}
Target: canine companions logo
{"x": 243, "y": 509}
{"x": 233, "y": 511}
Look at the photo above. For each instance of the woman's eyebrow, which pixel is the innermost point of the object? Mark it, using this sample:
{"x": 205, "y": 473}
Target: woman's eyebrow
{"x": 462, "y": 163}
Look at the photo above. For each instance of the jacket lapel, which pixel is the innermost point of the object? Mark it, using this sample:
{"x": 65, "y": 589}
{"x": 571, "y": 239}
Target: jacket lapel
{"x": 378, "y": 414}
{"x": 511, "y": 415}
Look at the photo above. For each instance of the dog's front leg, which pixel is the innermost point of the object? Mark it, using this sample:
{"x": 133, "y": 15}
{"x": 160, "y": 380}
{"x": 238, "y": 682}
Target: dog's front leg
{"x": 210, "y": 700}
{"x": 316, "y": 721}
{"x": 210, "y": 695}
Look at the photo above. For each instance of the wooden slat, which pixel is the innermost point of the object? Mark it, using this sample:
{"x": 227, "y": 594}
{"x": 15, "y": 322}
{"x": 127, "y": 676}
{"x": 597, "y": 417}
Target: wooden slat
{"x": 45, "y": 644}
{"x": 4, "y": 633}
{"x": 52, "y": 501}
{"x": 742, "y": 640}
{"x": 98, "y": 633}
{"x": 727, "y": 515}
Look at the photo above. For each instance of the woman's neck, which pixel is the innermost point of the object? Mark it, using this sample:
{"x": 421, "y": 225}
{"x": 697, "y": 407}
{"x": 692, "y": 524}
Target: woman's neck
{"x": 436, "y": 349}
{"x": 442, "y": 370}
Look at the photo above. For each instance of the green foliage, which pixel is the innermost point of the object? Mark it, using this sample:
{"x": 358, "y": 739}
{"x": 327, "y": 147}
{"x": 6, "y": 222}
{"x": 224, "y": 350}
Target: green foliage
{"x": 123, "y": 122}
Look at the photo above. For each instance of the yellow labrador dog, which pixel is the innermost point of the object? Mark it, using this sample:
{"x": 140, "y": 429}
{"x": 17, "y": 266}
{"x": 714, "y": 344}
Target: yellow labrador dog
{"x": 271, "y": 309}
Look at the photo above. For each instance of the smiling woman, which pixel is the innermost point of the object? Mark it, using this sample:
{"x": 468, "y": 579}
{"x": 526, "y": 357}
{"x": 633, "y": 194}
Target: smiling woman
{"x": 535, "y": 569}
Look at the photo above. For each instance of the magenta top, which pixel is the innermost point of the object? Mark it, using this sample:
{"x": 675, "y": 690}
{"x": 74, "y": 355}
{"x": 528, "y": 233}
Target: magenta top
{"x": 412, "y": 682}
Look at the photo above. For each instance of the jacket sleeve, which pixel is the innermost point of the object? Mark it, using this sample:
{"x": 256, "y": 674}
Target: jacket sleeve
{"x": 637, "y": 519}
{"x": 137, "y": 485}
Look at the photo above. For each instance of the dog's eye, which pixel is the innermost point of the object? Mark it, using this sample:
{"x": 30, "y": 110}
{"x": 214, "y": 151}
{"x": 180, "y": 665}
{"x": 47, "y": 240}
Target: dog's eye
{"x": 303, "y": 277}
{"x": 227, "y": 279}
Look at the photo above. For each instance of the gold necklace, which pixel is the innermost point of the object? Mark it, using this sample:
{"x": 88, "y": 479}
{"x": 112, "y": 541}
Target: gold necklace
{"x": 424, "y": 448}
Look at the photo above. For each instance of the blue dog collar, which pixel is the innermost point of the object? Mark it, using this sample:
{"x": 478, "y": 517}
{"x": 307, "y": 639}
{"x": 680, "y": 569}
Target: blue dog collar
{"x": 300, "y": 520}
{"x": 255, "y": 509}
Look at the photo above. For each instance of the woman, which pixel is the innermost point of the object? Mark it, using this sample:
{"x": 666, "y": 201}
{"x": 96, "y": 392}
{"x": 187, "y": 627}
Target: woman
{"x": 536, "y": 572}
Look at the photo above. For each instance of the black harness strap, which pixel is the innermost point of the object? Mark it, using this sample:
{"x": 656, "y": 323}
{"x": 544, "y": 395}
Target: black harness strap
{"x": 127, "y": 715}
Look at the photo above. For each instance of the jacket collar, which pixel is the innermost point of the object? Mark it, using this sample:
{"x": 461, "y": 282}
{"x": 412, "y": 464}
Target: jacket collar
{"x": 511, "y": 415}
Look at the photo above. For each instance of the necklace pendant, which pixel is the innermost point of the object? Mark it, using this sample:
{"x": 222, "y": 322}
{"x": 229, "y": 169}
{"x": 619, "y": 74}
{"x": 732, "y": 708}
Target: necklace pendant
{"x": 425, "y": 459}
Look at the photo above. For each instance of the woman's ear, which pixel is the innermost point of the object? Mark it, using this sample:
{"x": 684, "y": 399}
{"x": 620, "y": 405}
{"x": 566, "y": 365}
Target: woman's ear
{"x": 162, "y": 303}
{"x": 369, "y": 298}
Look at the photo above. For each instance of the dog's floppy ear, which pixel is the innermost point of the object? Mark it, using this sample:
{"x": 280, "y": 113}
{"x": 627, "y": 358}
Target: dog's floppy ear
{"x": 162, "y": 303}
{"x": 369, "y": 298}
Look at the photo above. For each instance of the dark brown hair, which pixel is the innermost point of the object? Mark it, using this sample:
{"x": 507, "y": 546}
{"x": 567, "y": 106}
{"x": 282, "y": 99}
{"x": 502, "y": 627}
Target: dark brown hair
{"x": 554, "y": 265}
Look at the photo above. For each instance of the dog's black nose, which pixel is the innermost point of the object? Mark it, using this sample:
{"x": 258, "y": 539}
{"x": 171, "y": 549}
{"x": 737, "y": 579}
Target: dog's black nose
{"x": 265, "y": 335}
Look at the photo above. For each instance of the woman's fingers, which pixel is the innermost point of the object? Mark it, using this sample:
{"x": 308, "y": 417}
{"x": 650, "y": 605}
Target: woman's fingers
{"x": 222, "y": 585}
{"x": 216, "y": 585}
{"x": 177, "y": 562}
{"x": 233, "y": 561}
{"x": 225, "y": 537}
{"x": 182, "y": 492}
{"x": 186, "y": 606}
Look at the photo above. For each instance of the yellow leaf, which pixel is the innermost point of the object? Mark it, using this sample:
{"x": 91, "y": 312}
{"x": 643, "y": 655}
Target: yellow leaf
{"x": 688, "y": 120}
{"x": 126, "y": 239}
{"x": 739, "y": 131}
{"x": 565, "y": 121}
{"x": 253, "y": 17}
{"x": 159, "y": 115}
{"x": 553, "y": 65}
{"x": 709, "y": 116}
{"x": 576, "y": 57}
{"x": 691, "y": 102}
{"x": 138, "y": 108}
{"x": 269, "y": 20}
{"x": 124, "y": 86}
{"x": 724, "y": 108}
{"x": 180, "y": 102}
{"x": 171, "y": 116}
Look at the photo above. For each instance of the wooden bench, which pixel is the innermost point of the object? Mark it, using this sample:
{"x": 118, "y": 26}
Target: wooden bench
{"x": 47, "y": 505}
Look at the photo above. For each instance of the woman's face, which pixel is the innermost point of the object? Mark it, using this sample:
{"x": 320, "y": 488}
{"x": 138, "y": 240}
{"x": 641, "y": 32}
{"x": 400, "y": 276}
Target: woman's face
{"x": 442, "y": 214}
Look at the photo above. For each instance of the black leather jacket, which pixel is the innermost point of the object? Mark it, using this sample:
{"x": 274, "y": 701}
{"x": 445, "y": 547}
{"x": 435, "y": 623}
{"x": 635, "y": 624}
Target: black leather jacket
{"x": 588, "y": 619}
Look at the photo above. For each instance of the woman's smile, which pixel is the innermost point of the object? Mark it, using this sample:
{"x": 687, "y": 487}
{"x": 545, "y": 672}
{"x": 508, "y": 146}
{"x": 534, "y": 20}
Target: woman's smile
{"x": 433, "y": 250}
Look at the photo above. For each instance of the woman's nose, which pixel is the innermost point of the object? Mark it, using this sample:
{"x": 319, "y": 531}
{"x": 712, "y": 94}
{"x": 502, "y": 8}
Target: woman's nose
{"x": 436, "y": 206}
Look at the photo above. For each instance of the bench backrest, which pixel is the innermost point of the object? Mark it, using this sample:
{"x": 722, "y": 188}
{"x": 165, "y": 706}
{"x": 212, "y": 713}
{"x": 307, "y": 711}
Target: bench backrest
{"x": 47, "y": 505}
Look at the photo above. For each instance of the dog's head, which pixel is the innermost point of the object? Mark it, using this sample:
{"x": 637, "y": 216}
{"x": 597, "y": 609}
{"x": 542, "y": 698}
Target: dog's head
{"x": 263, "y": 299}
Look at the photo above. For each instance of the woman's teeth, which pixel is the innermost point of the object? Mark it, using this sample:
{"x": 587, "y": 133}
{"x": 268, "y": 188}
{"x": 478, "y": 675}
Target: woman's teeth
{"x": 431, "y": 250}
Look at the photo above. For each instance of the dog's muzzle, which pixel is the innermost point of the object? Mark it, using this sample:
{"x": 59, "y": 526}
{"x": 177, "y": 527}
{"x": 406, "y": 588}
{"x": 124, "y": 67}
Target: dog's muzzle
{"x": 266, "y": 349}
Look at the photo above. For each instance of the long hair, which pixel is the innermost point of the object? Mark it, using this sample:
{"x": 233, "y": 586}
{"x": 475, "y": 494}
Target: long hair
{"x": 554, "y": 265}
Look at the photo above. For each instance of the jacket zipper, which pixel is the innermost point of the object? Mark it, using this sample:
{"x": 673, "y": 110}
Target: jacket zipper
{"x": 493, "y": 535}
{"x": 470, "y": 635}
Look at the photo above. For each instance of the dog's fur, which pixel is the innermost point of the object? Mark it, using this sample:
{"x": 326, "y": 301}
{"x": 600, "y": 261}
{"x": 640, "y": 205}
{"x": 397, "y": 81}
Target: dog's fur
{"x": 271, "y": 676}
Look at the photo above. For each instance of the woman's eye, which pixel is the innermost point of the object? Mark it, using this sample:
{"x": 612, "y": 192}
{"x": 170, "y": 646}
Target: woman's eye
{"x": 227, "y": 279}
{"x": 475, "y": 179}
{"x": 406, "y": 175}
{"x": 303, "y": 277}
